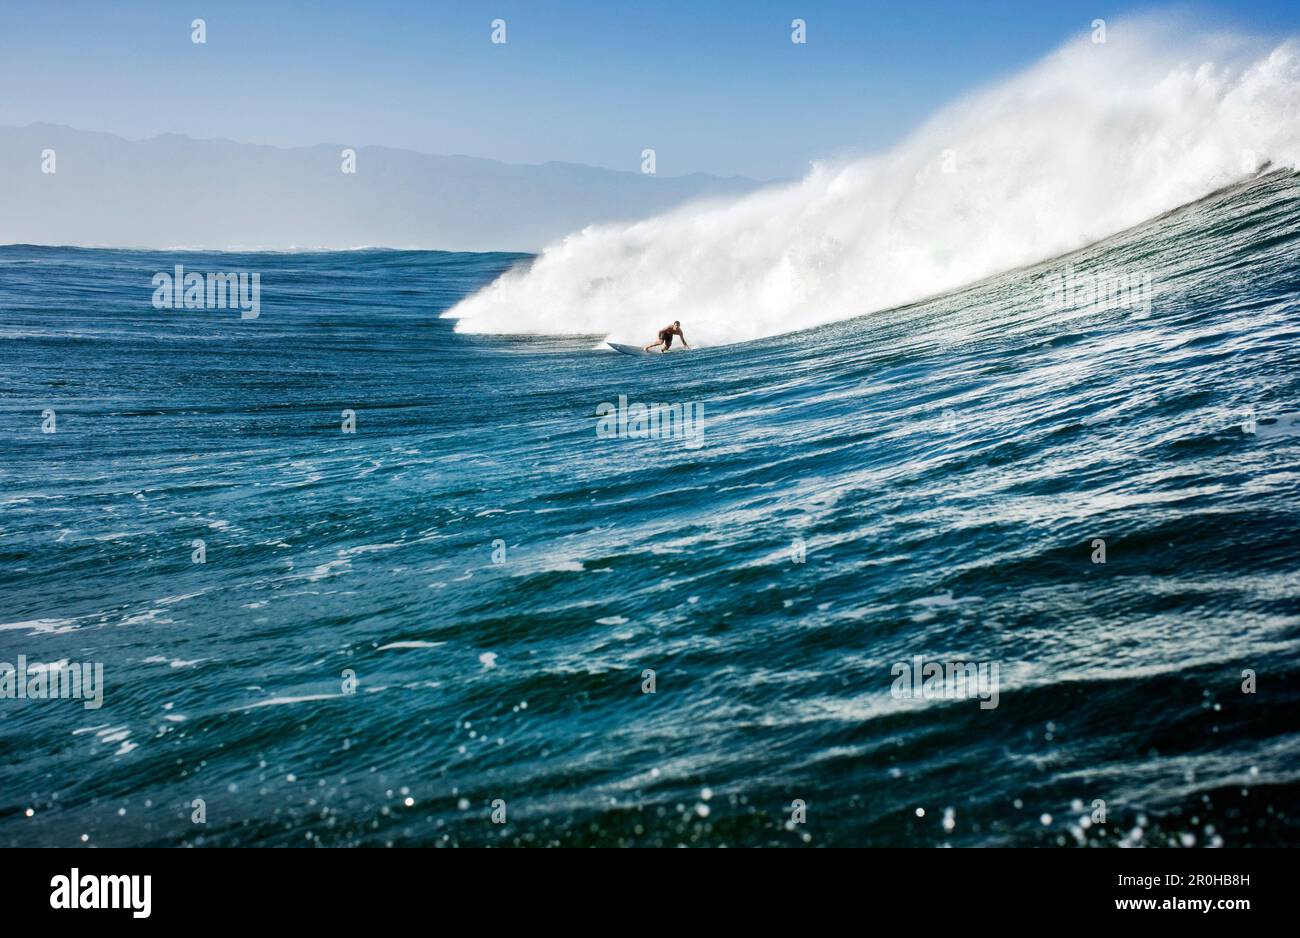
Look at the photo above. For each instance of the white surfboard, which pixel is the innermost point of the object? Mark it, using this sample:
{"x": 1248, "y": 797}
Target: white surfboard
{"x": 636, "y": 349}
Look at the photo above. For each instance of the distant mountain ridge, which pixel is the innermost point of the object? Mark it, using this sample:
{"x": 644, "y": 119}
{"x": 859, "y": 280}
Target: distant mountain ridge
{"x": 216, "y": 194}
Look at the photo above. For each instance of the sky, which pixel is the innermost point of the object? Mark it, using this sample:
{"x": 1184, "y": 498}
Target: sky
{"x": 711, "y": 86}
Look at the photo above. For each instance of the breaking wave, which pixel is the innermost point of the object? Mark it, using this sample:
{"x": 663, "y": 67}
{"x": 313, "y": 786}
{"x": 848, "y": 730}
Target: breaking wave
{"x": 1096, "y": 138}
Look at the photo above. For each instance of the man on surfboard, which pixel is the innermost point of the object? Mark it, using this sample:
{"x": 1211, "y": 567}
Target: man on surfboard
{"x": 666, "y": 337}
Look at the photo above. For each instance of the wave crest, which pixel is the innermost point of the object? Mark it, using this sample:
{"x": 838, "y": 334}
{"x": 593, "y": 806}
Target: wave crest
{"x": 1094, "y": 139}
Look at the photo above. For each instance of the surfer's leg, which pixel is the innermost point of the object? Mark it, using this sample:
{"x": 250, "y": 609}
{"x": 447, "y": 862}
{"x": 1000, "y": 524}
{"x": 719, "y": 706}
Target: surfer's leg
{"x": 654, "y": 345}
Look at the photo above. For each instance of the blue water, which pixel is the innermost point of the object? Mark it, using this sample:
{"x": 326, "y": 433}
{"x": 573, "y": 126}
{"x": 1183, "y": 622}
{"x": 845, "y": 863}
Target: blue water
{"x": 945, "y": 468}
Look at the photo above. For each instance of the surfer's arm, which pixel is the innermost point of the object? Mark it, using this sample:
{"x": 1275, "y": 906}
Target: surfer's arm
{"x": 685, "y": 344}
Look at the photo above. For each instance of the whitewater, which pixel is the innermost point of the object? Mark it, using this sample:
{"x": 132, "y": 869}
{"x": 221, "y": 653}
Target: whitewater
{"x": 1091, "y": 141}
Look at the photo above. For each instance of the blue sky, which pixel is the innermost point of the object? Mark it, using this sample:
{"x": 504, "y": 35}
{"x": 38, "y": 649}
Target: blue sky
{"x": 711, "y": 86}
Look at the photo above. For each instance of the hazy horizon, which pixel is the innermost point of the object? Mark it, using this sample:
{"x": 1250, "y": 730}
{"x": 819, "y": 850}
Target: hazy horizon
{"x": 65, "y": 186}
{"x": 373, "y": 146}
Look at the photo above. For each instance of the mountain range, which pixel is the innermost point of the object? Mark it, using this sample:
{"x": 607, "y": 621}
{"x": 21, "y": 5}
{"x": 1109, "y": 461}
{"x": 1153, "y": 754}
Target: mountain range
{"x": 175, "y": 191}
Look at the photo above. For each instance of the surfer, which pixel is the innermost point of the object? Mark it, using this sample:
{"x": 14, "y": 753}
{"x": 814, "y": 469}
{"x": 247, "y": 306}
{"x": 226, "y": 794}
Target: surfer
{"x": 666, "y": 337}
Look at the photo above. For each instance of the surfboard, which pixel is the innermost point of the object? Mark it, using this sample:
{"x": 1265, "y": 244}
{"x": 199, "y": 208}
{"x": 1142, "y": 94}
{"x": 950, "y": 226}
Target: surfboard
{"x": 628, "y": 349}
{"x": 636, "y": 349}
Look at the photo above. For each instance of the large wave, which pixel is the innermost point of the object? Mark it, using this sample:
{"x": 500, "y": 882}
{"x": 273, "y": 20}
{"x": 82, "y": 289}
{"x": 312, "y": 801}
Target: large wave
{"x": 1094, "y": 139}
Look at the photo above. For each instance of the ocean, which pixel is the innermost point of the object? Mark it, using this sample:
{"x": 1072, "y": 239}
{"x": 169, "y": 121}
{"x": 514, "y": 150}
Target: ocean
{"x": 478, "y": 612}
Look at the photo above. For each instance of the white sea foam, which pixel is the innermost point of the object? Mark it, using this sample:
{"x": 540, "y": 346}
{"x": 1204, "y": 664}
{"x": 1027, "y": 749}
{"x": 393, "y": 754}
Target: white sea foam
{"x": 36, "y": 626}
{"x": 1094, "y": 139}
{"x": 288, "y": 701}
